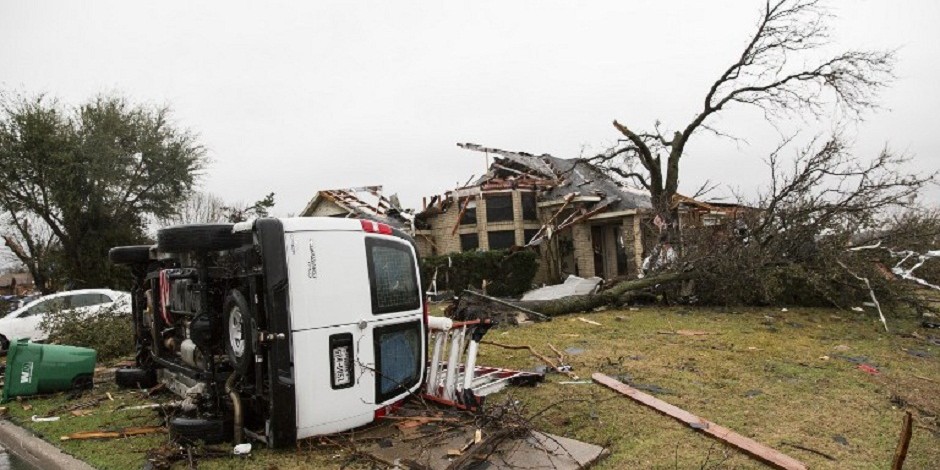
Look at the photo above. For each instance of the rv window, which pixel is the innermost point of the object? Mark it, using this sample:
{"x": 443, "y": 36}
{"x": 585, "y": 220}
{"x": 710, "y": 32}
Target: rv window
{"x": 398, "y": 359}
{"x": 392, "y": 276}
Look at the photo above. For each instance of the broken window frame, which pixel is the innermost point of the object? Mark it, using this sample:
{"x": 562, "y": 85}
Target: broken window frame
{"x": 469, "y": 215}
{"x": 527, "y": 235}
{"x": 529, "y": 206}
{"x": 501, "y": 236}
{"x": 499, "y": 211}
{"x": 469, "y": 241}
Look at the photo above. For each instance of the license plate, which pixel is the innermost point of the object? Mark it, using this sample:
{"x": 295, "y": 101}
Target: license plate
{"x": 341, "y": 365}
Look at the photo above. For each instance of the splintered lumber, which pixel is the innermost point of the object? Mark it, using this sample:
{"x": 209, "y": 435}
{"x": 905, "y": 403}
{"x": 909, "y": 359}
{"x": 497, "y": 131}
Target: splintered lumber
{"x": 757, "y": 450}
{"x": 535, "y": 353}
{"x": 126, "y": 432}
{"x": 903, "y": 443}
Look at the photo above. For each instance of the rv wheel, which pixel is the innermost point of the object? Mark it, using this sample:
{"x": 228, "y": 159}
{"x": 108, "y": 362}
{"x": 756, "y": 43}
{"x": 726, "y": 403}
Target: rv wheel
{"x": 200, "y": 237}
{"x": 4, "y": 345}
{"x": 209, "y": 431}
{"x": 238, "y": 331}
{"x": 135, "y": 377}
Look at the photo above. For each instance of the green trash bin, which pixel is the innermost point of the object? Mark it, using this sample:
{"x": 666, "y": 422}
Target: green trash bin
{"x": 34, "y": 368}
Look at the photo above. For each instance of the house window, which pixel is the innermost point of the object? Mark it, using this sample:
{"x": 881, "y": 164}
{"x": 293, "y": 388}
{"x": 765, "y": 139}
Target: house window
{"x": 529, "y": 207}
{"x": 527, "y": 235}
{"x": 469, "y": 216}
{"x": 499, "y": 208}
{"x": 469, "y": 242}
{"x": 501, "y": 239}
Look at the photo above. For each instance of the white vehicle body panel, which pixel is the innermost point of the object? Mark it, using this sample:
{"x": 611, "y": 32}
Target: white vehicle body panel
{"x": 330, "y": 295}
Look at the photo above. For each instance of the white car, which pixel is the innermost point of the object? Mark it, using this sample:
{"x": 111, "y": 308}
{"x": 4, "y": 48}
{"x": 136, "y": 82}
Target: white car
{"x": 24, "y": 322}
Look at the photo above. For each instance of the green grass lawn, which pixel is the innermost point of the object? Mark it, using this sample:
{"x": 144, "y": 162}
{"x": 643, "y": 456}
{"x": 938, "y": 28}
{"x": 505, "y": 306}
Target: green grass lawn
{"x": 777, "y": 377}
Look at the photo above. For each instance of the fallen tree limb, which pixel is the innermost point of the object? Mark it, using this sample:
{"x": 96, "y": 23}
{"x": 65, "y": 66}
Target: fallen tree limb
{"x": 535, "y": 353}
{"x": 524, "y": 310}
{"x": 759, "y": 451}
{"x": 584, "y": 303}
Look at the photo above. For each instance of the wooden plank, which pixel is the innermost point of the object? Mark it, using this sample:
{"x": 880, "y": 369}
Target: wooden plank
{"x": 761, "y": 452}
{"x": 463, "y": 210}
{"x": 903, "y": 443}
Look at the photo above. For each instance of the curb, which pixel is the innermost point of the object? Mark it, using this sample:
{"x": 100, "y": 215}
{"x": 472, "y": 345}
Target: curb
{"x": 35, "y": 451}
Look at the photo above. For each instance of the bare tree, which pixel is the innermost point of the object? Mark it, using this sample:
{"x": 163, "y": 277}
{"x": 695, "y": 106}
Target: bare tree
{"x": 200, "y": 207}
{"x": 811, "y": 238}
{"x": 767, "y": 76}
{"x": 33, "y": 244}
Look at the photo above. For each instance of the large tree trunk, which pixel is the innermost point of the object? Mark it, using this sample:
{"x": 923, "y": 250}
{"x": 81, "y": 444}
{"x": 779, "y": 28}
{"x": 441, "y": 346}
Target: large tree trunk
{"x": 583, "y": 303}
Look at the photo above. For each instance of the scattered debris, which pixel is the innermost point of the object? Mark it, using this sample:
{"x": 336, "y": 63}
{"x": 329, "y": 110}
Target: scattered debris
{"x": 903, "y": 443}
{"x": 753, "y": 393}
{"x": 473, "y": 305}
{"x": 930, "y": 324}
{"x": 841, "y": 348}
{"x": 809, "y": 449}
{"x": 917, "y": 353}
{"x": 574, "y": 382}
{"x": 752, "y": 447}
{"x": 242, "y": 449}
{"x": 126, "y": 432}
{"x": 652, "y": 388}
{"x": 138, "y": 407}
{"x": 858, "y": 309}
{"x": 925, "y": 378}
{"x": 501, "y": 442}
{"x": 840, "y": 439}
{"x": 573, "y": 285}
{"x": 687, "y": 333}
{"x": 590, "y": 322}
{"x": 868, "y": 369}
{"x": 565, "y": 370}
{"x": 46, "y": 419}
{"x": 853, "y": 359}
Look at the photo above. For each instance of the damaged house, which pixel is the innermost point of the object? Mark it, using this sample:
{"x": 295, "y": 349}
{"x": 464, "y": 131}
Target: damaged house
{"x": 366, "y": 202}
{"x": 579, "y": 220}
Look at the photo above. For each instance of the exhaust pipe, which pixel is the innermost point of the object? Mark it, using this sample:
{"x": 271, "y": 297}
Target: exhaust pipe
{"x": 236, "y": 406}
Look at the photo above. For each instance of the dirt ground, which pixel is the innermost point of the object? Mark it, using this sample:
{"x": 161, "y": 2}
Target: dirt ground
{"x": 783, "y": 378}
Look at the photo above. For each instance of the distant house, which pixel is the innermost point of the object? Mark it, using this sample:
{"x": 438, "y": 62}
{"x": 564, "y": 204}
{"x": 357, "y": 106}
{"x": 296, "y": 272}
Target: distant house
{"x": 365, "y": 202}
{"x": 580, "y": 220}
{"x": 16, "y": 284}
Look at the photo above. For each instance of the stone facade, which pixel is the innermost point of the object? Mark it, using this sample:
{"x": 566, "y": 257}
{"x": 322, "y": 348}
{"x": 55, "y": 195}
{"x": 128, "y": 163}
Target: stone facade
{"x": 441, "y": 238}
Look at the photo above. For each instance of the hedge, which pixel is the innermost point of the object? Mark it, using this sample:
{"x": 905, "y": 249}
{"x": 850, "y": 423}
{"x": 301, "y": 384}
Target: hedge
{"x": 508, "y": 273}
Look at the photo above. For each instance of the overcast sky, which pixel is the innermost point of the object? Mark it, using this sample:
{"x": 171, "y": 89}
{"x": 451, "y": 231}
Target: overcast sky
{"x": 301, "y": 96}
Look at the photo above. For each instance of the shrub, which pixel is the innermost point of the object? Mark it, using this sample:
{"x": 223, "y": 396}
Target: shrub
{"x": 508, "y": 273}
{"x": 108, "y": 331}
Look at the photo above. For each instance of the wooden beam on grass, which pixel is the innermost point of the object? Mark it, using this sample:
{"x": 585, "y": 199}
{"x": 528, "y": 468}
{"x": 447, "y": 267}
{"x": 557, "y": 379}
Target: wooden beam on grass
{"x": 757, "y": 450}
{"x": 903, "y": 443}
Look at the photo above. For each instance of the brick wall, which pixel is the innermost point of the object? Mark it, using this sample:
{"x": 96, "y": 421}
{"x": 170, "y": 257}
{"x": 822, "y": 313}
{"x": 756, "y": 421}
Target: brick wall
{"x": 583, "y": 249}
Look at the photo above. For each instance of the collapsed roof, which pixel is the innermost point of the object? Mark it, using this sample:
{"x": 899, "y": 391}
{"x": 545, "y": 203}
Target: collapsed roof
{"x": 556, "y": 178}
{"x": 365, "y": 202}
